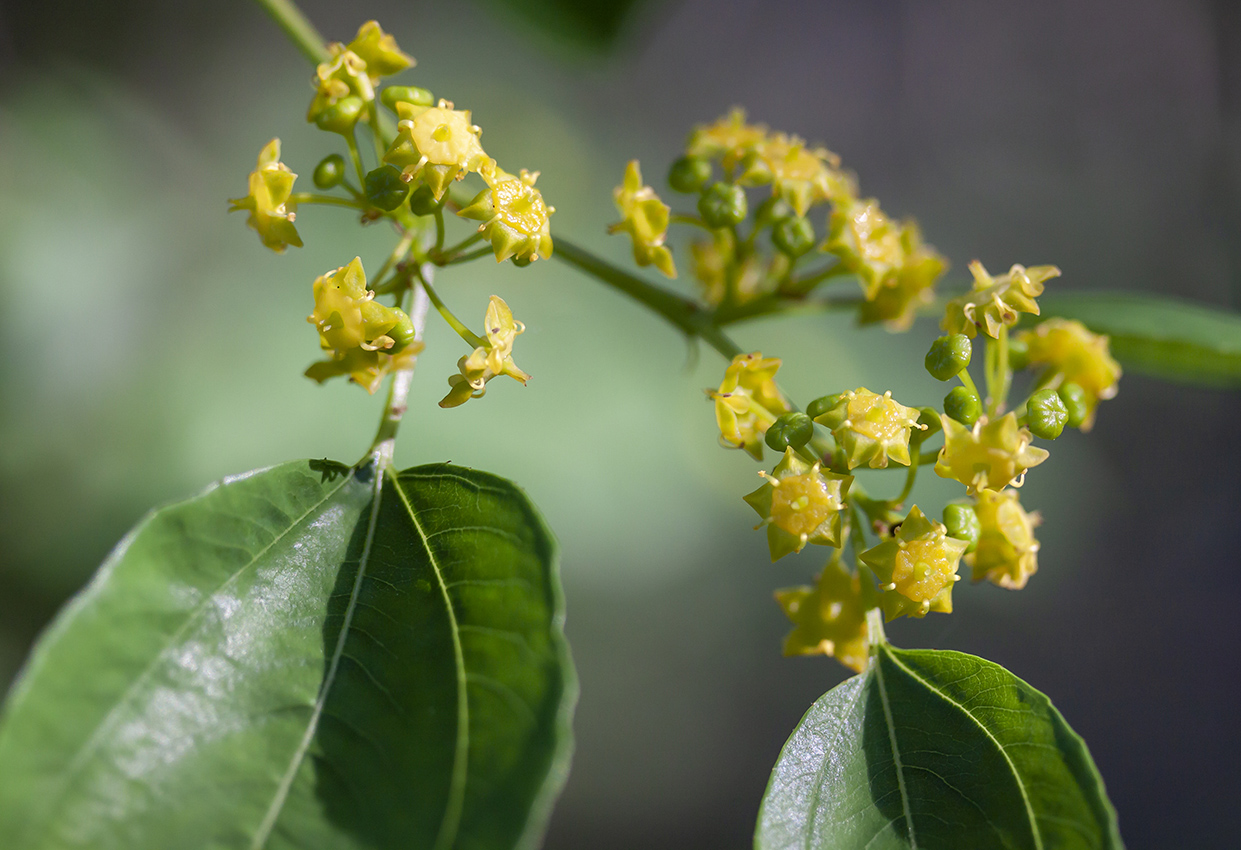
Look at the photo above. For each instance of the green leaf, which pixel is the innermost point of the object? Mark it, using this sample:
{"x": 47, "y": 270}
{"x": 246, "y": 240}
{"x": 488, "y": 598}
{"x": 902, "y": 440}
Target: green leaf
{"x": 1171, "y": 339}
{"x": 303, "y": 657}
{"x": 933, "y": 749}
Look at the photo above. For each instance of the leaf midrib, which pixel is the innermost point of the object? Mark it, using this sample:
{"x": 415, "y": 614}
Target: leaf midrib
{"x": 896, "y": 754}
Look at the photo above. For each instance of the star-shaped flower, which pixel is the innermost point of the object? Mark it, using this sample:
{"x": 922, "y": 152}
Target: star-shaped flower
{"x": 908, "y": 286}
{"x": 994, "y": 302}
{"x": 437, "y": 144}
{"x": 645, "y": 218}
{"x": 729, "y": 139}
{"x": 800, "y": 503}
{"x": 799, "y": 174}
{"x": 871, "y": 428}
{"x": 916, "y": 567}
{"x": 379, "y": 51}
{"x": 867, "y": 243}
{"x": 748, "y": 401}
{"x": 271, "y": 212}
{"x": 988, "y": 456}
{"x": 1007, "y": 553}
{"x": 487, "y": 361}
{"x": 514, "y": 217}
{"x": 829, "y": 618}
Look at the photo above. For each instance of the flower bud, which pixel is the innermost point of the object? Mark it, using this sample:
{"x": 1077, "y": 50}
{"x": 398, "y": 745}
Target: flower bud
{"x": 422, "y": 201}
{"x": 341, "y": 116}
{"x": 384, "y": 188}
{"x": 1018, "y": 353}
{"x": 772, "y": 210}
{"x": 962, "y": 524}
{"x": 1046, "y": 414}
{"x": 948, "y": 356}
{"x": 790, "y": 430}
{"x": 402, "y": 334}
{"x": 723, "y": 205}
{"x": 793, "y": 235}
{"x": 963, "y": 406}
{"x": 330, "y": 171}
{"x": 392, "y": 95}
{"x": 689, "y": 174}
{"x": 1076, "y": 405}
{"x": 822, "y": 405}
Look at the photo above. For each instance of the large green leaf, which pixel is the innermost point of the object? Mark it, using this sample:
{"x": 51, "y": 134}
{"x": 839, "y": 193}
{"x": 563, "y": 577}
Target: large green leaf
{"x": 937, "y": 751}
{"x": 1171, "y": 339}
{"x": 304, "y": 657}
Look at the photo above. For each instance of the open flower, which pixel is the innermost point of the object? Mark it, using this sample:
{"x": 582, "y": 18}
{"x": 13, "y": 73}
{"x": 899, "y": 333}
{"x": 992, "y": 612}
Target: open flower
{"x": 437, "y": 144}
{"x": 379, "y": 51}
{"x": 1073, "y": 353}
{"x": 514, "y": 217}
{"x": 906, "y": 287}
{"x": 989, "y": 456}
{"x": 799, "y": 504}
{"x": 916, "y": 567}
{"x": 1007, "y": 553}
{"x": 748, "y": 401}
{"x": 645, "y": 218}
{"x": 994, "y": 302}
{"x": 801, "y": 175}
{"x": 487, "y": 361}
{"x": 343, "y": 91}
{"x": 867, "y": 243}
{"x": 729, "y": 139}
{"x": 271, "y": 212}
{"x": 829, "y": 618}
{"x": 871, "y": 428}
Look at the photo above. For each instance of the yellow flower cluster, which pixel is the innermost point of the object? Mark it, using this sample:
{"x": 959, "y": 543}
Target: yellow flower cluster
{"x": 345, "y": 84}
{"x": 1071, "y": 353}
{"x": 748, "y": 401}
{"x": 829, "y": 618}
{"x": 271, "y": 212}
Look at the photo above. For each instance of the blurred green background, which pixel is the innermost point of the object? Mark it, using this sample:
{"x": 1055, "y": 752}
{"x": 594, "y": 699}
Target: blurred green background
{"x": 150, "y": 345}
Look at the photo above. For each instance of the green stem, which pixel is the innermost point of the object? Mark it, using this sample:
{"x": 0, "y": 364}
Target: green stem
{"x": 384, "y": 445}
{"x": 446, "y": 255}
{"x": 762, "y": 307}
{"x": 439, "y": 228}
{"x": 297, "y": 27}
{"x": 968, "y": 382}
{"x": 316, "y": 198}
{"x": 376, "y": 136}
{"x": 398, "y": 254}
{"x": 467, "y": 257}
{"x": 449, "y": 317}
{"x": 352, "y": 141}
{"x": 911, "y": 475}
{"x": 692, "y": 220}
{"x": 1005, "y": 374}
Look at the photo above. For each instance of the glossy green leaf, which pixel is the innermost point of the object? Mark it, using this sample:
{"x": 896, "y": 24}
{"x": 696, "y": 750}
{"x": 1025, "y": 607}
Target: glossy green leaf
{"x": 1164, "y": 337}
{"x": 935, "y": 750}
{"x": 304, "y": 657}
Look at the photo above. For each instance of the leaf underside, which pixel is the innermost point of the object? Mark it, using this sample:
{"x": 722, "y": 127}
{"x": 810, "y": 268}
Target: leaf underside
{"x": 1165, "y": 337}
{"x": 935, "y": 750}
{"x": 303, "y": 657}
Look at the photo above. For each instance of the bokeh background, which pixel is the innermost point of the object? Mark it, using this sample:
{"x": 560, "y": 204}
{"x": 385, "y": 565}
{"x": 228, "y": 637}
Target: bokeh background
{"x": 149, "y": 345}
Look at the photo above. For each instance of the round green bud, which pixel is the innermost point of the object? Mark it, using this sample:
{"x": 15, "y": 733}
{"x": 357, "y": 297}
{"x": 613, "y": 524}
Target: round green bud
{"x": 522, "y": 260}
{"x": 341, "y": 116}
{"x": 1074, "y": 398}
{"x": 792, "y": 429}
{"x": 392, "y": 95}
{"x": 384, "y": 188}
{"x": 772, "y": 210}
{"x": 1018, "y": 354}
{"x": 723, "y": 205}
{"x": 402, "y": 335}
{"x": 948, "y": 356}
{"x": 689, "y": 174}
{"x": 422, "y": 201}
{"x": 795, "y": 236}
{"x": 822, "y": 405}
{"x": 963, "y": 406}
{"x": 962, "y": 524}
{"x": 1046, "y": 414}
{"x": 330, "y": 171}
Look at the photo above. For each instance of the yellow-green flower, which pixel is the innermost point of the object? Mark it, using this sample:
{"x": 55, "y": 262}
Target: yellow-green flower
{"x": 729, "y": 139}
{"x": 514, "y": 216}
{"x": 437, "y": 144}
{"x": 867, "y": 243}
{"x": 988, "y": 456}
{"x": 1007, "y": 553}
{"x": 801, "y": 175}
{"x": 710, "y": 265}
{"x": 916, "y": 567}
{"x": 994, "y": 302}
{"x": 343, "y": 91}
{"x": 748, "y": 401}
{"x": 271, "y": 212}
{"x": 1075, "y": 354}
{"x": 365, "y": 368}
{"x": 909, "y": 286}
{"x": 829, "y": 618}
{"x": 871, "y": 428}
{"x": 799, "y": 504}
{"x": 379, "y": 51}
{"x": 487, "y": 361}
{"x": 645, "y": 218}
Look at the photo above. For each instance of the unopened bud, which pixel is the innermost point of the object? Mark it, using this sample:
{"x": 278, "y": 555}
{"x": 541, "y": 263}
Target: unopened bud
{"x": 963, "y": 406}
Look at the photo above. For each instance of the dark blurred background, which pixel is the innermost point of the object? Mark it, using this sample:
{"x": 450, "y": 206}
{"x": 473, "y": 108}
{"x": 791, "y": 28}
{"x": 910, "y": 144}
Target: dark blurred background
{"x": 150, "y": 345}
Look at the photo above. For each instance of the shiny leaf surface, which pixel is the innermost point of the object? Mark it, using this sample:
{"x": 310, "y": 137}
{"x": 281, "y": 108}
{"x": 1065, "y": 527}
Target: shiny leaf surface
{"x": 935, "y": 750}
{"x": 303, "y": 657}
{"x": 1164, "y": 337}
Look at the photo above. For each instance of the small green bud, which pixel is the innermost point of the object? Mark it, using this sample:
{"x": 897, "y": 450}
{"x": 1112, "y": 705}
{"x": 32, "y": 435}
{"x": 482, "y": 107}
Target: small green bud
{"x": 1074, "y": 398}
{"x": 962, "y": 524}
{"x": 792, "y": 429}
{"x": 330, "y": 171}
{"x": 422, "y": 201}
{"x": 822, "y": 405}
{"x": 794, "y": 236}
{"x": 948, "y": 356}
{"x": 392, "y": 95}
{"x": 1046, "y": 414}
{"x": 723, "y": 205}
{"x": 689, "y": 174}
{"x": 522, "y": 260}
{"x": 928, "y": 418}
{"x": 1018, "y": 353}
{"x": 341, "y": 116}
{"x": 384, "y": 188}
{"x": 772, "y": 210}
{"x": 402, "y": 335}
{"x": 963, "y": 406}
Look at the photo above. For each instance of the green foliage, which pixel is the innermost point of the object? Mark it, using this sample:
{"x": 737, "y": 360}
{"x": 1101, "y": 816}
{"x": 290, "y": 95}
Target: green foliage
{"x": 934, "y": 749}
{"x": 1164, "y": 337}
{"x": 304, "y": 657}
